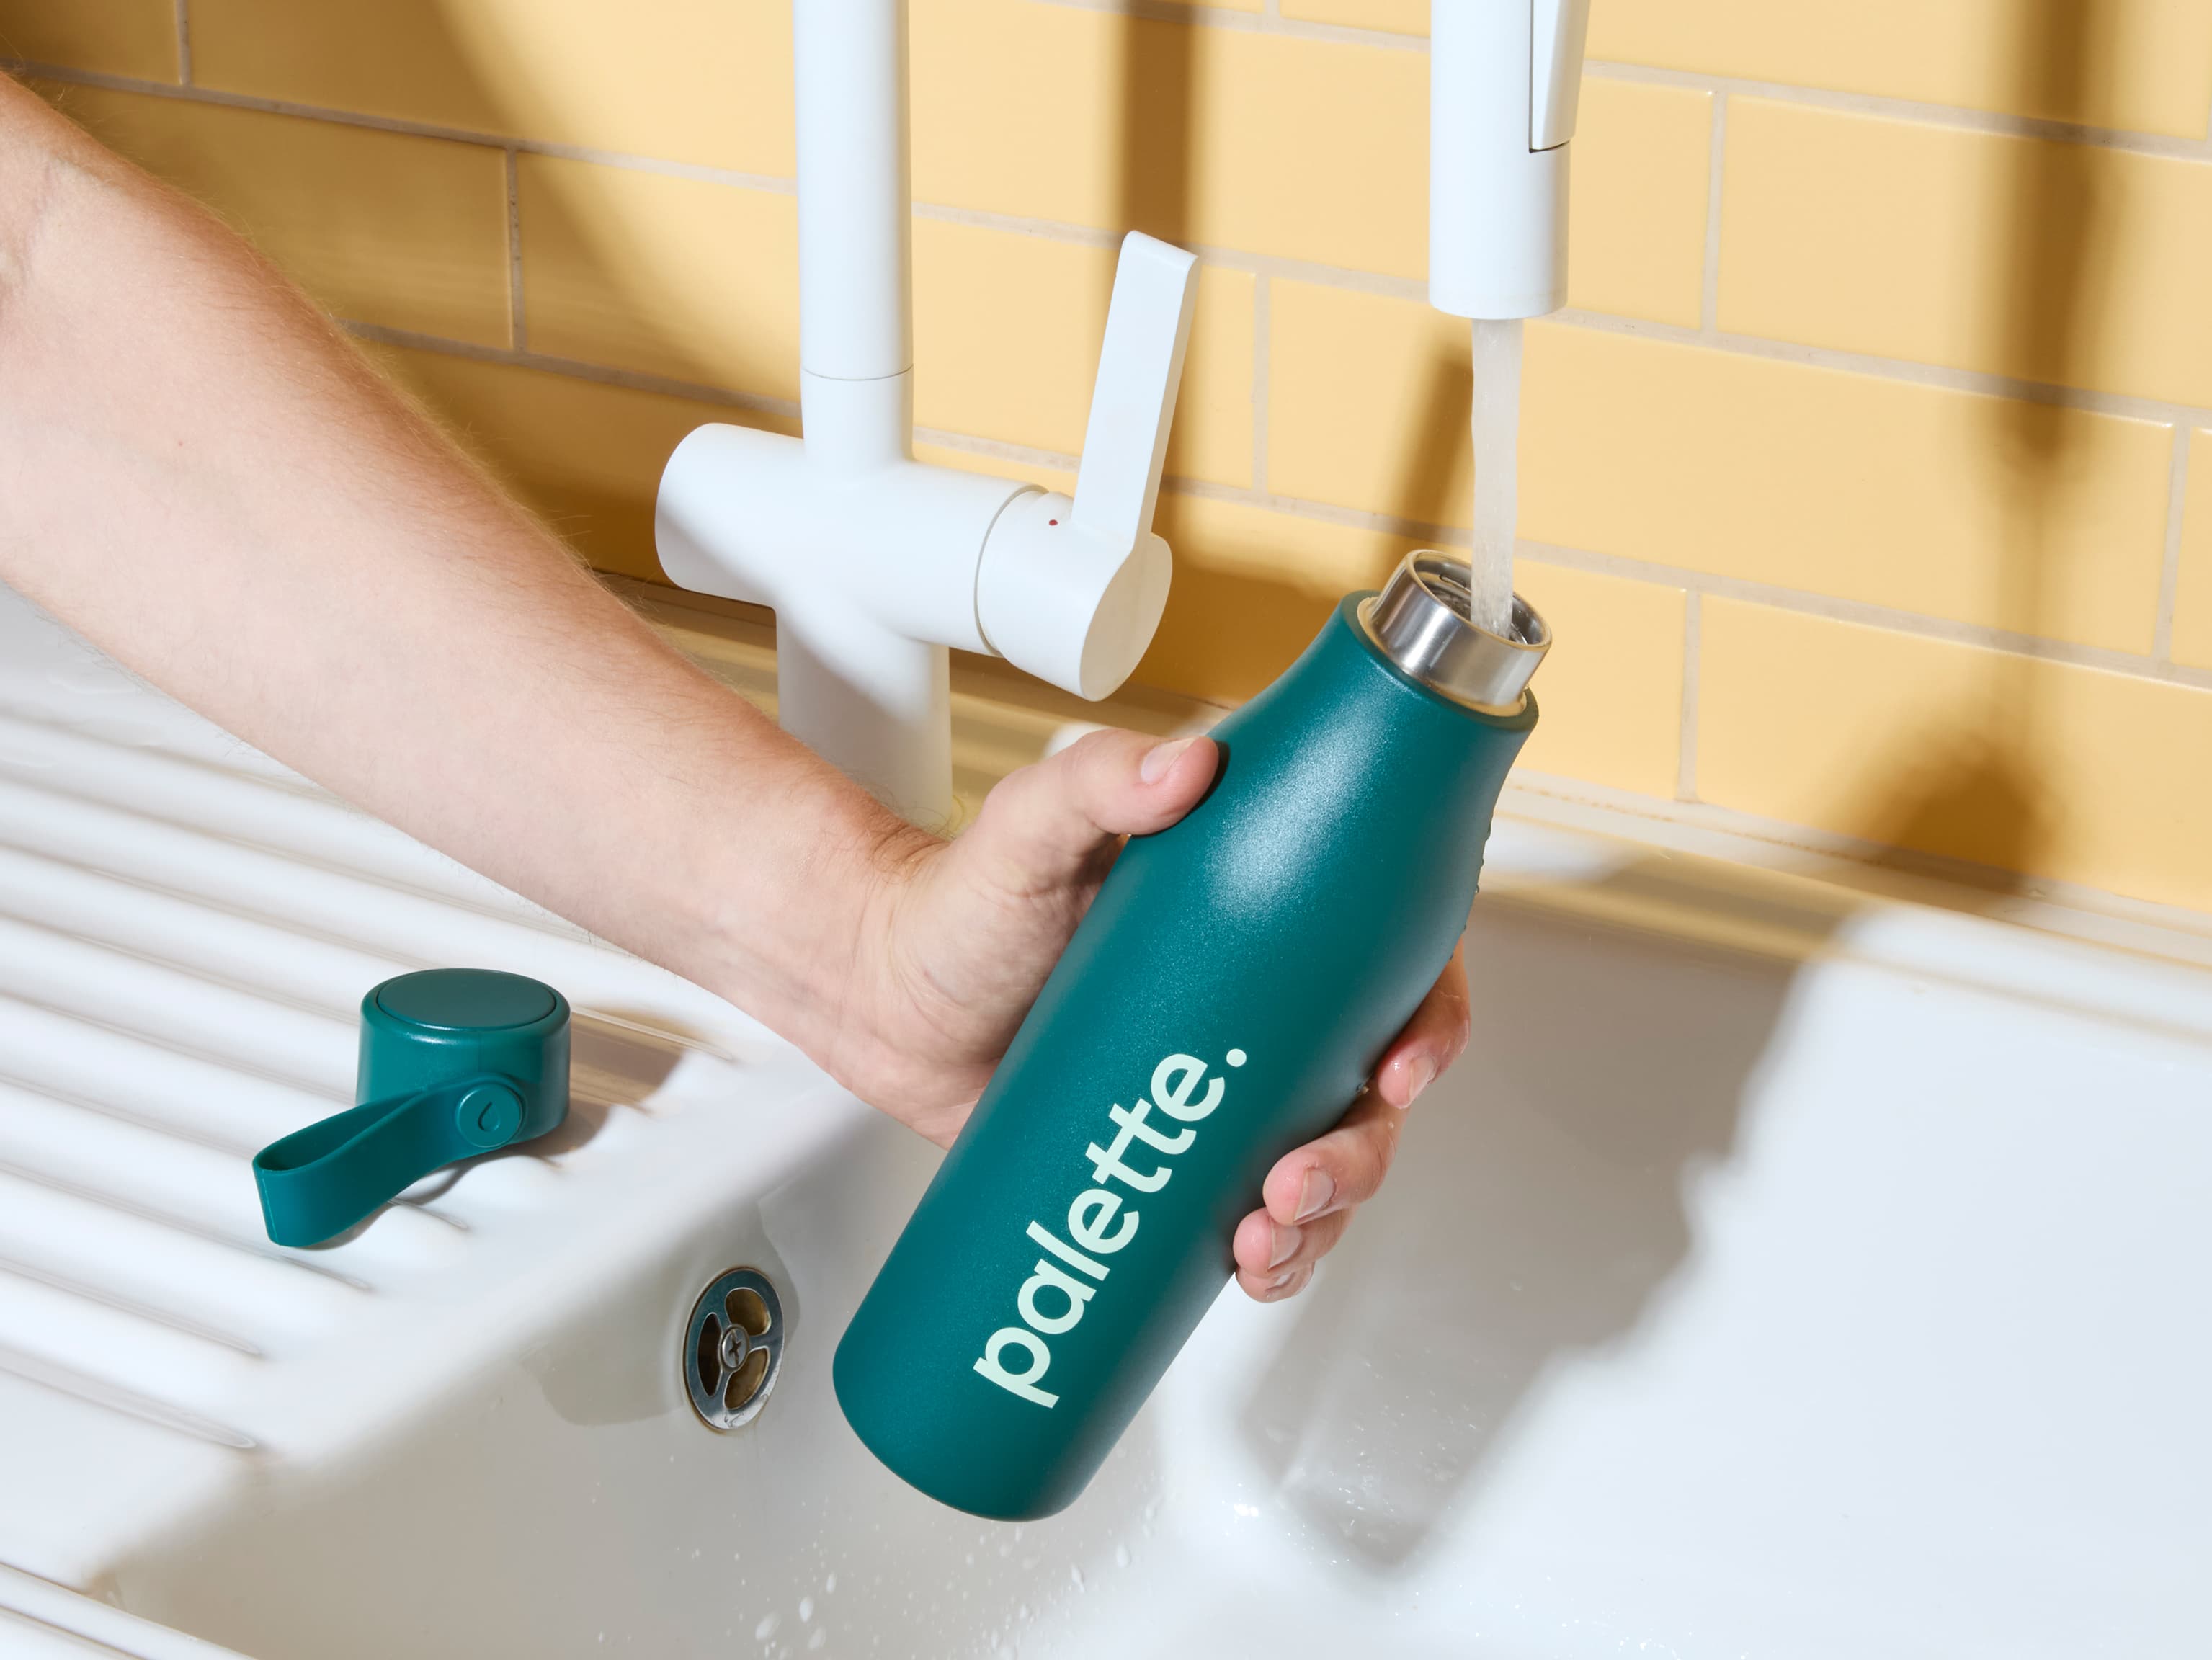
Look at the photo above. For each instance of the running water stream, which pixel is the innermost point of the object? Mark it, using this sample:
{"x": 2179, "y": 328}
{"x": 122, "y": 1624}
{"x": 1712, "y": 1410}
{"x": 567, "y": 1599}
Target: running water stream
{"x": 1497, "y": 423}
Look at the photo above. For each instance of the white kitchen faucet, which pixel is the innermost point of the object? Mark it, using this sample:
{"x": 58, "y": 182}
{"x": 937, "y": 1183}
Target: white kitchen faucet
{"x": 874, "y": 562}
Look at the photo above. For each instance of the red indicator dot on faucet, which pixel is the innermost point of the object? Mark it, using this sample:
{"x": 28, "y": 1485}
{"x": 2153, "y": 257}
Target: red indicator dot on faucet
{"x": 1051, "y": 521}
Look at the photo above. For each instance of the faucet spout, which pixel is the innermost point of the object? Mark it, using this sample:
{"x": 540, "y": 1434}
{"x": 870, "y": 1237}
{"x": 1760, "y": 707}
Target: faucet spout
{"x": 875, "y": 564}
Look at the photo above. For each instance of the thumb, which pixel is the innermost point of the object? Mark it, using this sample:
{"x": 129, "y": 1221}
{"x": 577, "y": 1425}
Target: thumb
{"x": 1051, "y": 825}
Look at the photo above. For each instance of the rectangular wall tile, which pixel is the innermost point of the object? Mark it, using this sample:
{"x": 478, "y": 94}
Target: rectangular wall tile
{"x": 2192, "y": 599}
{"x": 137, "y": 38}
{"x": 1006, "y": 335}
{"x": 379, "y": 227}
{"x": 2053, "y": 262}
{"x": 2025, "y": 517}
{"x": 1400, "y": 16}
{"x": 702, "y": 81}
{"x": 1609, "y": 695}
{"x": 587, "y": 457}
{"x": 1636, "y": 230}
{"x": 674, "y": 276}
{"x": 1304, "y": 149}
{"x": 2145, "y": 64}
{"x": 2042, "y": 767}
{"x": 1368, "y": 403}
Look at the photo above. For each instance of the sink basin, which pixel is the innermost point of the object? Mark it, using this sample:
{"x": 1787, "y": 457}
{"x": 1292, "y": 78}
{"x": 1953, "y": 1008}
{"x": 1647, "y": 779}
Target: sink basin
{"x": 1801, "y": 1264}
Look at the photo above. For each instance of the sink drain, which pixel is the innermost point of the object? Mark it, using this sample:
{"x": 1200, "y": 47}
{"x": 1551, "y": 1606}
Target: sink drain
{"x": 733, "y": 1348}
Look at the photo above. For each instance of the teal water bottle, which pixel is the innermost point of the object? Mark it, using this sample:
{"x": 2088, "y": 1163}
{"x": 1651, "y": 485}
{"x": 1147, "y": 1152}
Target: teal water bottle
{"x": 1230, "y": 990}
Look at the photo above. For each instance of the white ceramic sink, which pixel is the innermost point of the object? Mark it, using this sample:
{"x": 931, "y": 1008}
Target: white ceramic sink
{"x": 1793, "y": 1269}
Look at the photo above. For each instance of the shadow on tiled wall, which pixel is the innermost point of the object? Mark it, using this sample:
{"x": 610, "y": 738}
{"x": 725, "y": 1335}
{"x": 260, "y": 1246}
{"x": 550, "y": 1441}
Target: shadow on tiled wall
{"x": 1975, "y": 791}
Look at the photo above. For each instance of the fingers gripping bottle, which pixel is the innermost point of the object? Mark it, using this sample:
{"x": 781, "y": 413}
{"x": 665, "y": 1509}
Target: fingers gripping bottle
{"x": 1231, "y": 988}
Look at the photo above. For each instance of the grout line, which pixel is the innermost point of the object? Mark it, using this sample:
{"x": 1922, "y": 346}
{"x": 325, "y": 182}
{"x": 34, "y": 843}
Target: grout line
{"x": 775, "y": 183}
{"x": 2169, "y": 572}
{"x": 1015, "y": 224}
{"x": 518, "y": 325}
{"x": 1686, "y": 747}
{"x": 1212, "y": 253}
{"x": 1877, "y": 105}
{"x": 518, "y": 329}
{"x": 1708, "y": 294}
{"x": 2198, "y": 148}
{"x": 1979, "y": 382}
{"x": 1000, "y": 449}
{"x": 1868, "y": 614}
{"x": 1267, "y": 21}
{"x": 184, "y": 42}
{"x": 1262, "y": 362}
{"x": 630, "y": 380}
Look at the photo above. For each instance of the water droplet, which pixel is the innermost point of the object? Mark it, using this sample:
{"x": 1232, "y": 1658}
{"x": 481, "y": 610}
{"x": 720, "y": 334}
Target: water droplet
{"x": 831, "y": 1584}
{"x": 1120, "y": 1556}
{"x": 1075, "y": 1577}
{"x": 821, "y": 1636}
{"x": 766, "y": 1629}
{"x": 805, "y": 1609}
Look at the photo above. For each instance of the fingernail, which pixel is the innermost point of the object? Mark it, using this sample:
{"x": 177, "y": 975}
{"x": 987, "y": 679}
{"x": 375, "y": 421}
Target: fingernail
{"x": 1317, "y": 1192}
{"x": 1420, "y": 1072}
{"x": 1282, "y": 1278}
{"x": 1286, "y": 1241}
{"x": 1161, "y": 756}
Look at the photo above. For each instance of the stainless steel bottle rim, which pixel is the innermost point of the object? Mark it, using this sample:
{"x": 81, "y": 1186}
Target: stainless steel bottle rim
{"x": 1423, "y": 622}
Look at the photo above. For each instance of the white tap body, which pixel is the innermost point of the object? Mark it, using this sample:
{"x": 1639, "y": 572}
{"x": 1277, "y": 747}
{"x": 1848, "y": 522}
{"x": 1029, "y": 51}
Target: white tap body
{"x": 874, "y": 562}
{"x": 1504, "y": 79}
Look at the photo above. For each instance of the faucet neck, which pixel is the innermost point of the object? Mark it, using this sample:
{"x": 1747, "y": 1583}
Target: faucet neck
{"x": 855, "y": 226}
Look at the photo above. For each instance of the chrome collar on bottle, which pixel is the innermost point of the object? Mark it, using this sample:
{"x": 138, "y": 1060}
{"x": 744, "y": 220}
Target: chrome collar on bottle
{"x": 1421, "y": 621}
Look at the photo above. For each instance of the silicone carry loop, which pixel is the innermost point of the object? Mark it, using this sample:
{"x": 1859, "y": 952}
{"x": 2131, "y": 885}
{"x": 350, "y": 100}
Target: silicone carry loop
{"x": 454, "y": 1063}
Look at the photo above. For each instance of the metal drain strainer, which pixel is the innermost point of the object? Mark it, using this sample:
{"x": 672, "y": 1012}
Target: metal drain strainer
{"x": 732, "y": 1349}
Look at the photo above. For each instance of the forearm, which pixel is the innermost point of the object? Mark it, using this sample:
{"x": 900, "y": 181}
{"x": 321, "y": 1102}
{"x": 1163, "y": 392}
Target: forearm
{"x": 199, "y": 474}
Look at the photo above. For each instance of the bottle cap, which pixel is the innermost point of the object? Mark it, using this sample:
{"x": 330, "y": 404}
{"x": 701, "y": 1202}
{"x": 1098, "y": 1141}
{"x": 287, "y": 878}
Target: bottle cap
{"x": 1423, "y": 620}
{"x": 454, "y": 1063}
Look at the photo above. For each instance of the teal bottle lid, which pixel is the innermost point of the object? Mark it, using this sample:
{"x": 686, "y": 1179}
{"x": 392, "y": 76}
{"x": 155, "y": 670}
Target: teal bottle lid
{"x": 454, "y": 1063}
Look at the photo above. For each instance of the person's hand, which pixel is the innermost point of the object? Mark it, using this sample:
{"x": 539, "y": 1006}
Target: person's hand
{"x": 960, "y": 936}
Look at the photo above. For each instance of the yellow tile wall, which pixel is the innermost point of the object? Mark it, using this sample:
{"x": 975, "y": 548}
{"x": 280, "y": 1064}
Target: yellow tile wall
{"x": 666, "y": 276}
{"x": 707, "y": 81}
{"x": 2145, "y": 64}
{"x": 1956, "y": 505}
{"x": 113, "y": 37}
{"x": 2192, "y": 606}
{"x": 585, "y": 456}
{"x": 1398, "y": 16}
{"x": 1860, "y": 513}
{"x": 2061, "y": 262}
{"x": 381, "y": 226}
{"x": 2074, "y": 774}
{"x": 1300, "y": 149}
{"x": 1006, "y": 335}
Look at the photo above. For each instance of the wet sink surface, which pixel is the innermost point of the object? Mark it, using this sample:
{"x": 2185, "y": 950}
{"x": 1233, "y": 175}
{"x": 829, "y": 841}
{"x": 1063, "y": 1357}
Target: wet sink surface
{"x": 1789, "y": 1271}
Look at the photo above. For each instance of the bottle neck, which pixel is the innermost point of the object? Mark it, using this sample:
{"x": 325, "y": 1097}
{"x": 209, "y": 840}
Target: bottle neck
{"x": 1421, "y": 622}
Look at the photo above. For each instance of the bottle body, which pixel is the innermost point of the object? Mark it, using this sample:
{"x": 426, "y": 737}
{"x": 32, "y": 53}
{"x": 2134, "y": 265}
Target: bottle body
{"x": 1223, "y": 1002}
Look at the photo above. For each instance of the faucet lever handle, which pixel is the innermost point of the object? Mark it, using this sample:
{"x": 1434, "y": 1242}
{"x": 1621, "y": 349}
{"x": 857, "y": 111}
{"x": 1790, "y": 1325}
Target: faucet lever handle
{"x": 1072, "y": 591}
{"x": 1139, "y": 367}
